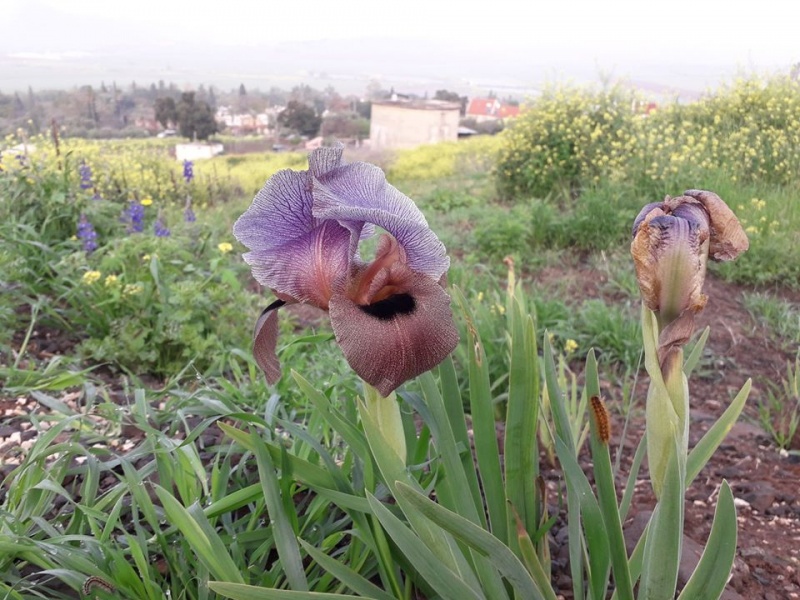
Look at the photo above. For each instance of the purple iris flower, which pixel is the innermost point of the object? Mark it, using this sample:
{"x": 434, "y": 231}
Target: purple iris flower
{"x": 86, "y": 176}
{"x": 87, "y": 233}
{"x": 160, "y": 229}
{"x": 391, "y": 316}
{"x": 188, "y": 170}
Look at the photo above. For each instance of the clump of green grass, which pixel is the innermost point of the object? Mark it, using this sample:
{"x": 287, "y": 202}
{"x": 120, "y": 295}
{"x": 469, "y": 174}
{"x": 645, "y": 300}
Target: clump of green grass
{"x": 779, "y": 413}
{"x": 780, "y": 316}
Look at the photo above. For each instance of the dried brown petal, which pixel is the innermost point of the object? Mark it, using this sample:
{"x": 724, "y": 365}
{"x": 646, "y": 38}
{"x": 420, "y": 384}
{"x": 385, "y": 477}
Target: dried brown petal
{"x": 728, "y": 239}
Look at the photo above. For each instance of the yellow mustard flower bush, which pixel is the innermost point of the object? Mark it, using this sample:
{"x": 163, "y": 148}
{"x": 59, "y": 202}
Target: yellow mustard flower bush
{"x": 748, "y": 131}
{"x": 251, "y": 171}
{"x": 565, "y": 136}
{"x": 438, "y": 161}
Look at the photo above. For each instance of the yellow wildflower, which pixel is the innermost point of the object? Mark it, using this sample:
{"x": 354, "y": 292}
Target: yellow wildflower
{"x": 480, "y": 296}
{"x": 752, "y": 229}
{"x": 570, "y": 346}
{"x": 224, "y": 247}
{"x": 145, "y": 258}
{"x": 147, "y": 201}
{"x": 132, "y": 288}
{"x": 91, "y": 277}
{"x": 111, "y": 280}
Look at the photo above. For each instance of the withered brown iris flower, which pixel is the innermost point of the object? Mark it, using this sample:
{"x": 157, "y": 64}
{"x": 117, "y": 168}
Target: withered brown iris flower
{"x": 390, "y": 316}
{"x": 672, "y": 241}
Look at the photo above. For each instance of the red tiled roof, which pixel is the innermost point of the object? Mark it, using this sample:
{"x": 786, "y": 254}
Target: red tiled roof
{"x": 491, "y": 107}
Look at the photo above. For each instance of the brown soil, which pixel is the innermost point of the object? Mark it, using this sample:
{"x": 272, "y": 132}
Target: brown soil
{"x": 764, "y": 481}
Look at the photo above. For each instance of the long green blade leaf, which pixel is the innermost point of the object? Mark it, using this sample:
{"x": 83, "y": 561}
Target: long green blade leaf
{"x": 712, "y": 572}
{"x": 203, "y": 540}
{"x": 604, "y": 480}
{"x": 479, "y": 539}
{"x": 709, "y": 443}
{"x": 483, "y": 427}
{"x": 285, "y": 538}
{"x": 240, "y": 591}
{"x": 662, "y": 550}
{"x": 521, "y": 467}
{"x": 346, "y": 575}
{"x": 433, "y": 570}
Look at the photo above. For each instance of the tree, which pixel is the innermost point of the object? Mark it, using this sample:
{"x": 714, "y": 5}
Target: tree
{"x": 449, "y": 96}
{"x": 195, "y": 119}
{"x": 301, "y": 118}
{"x": 166, "y": 111}
{"x": 345, "y": 125}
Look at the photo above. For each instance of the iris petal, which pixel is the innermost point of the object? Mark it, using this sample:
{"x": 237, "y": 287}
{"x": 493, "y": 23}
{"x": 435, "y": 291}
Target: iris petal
{"x": 307, "y": 268}
{"x": 728, "y": 239}
{"x": 293, "y": 252}
{"x": 325, "y": 159}
{"x": 669, "y": 255}
{"x": 358, "y": 193}
{"x": 399, "y": 337}
{"x": 280, "y": 212}
{"x": 265, "y": 340}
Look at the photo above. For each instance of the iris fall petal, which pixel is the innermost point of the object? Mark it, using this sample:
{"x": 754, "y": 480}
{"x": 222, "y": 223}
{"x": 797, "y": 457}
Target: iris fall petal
{"x": 399, "y": 337}
{"x": 265, "y": 341}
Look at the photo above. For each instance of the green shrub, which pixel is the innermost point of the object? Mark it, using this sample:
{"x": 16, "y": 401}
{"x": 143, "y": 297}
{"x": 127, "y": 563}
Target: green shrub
{"x": 148, "y": 304}
{"x": 503, "y": 233}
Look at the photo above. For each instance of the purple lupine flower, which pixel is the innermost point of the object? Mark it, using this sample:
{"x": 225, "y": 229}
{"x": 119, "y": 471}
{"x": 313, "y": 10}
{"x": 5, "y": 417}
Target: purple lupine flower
{"x": 134, "y": 216}
{"x": 188, "y": 170}
{"x": 87, "y": 233}
{"x": 86, "y": 176}
{"x": 160, "y": 229}
{"x": 22, "y": 160}
{"x": 391, "y": 316}
{"x": 188, "y": 213}
{"x": 96, "y": 196}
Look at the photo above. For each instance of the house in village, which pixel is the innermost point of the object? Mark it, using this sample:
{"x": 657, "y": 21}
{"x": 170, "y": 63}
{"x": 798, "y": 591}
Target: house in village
{"x": 405, "y": 123}
{"x": 483, "y": 110}
{"x": 245, "y": 123}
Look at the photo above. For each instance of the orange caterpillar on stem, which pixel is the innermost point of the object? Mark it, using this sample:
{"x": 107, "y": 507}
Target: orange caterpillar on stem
{"x": 601, "y": 419}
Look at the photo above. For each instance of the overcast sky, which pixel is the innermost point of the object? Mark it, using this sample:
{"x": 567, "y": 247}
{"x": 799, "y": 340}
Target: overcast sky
{"x": 611, "y": 35}
{"x": 765, "y": 32}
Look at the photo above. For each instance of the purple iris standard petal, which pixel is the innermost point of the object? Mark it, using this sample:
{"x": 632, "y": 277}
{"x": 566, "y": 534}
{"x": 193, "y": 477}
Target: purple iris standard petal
{"x": 394, "y": 339}
{"x": 643, "y": 213}
{"x": 694, "y": 214}
{"x": 291, "y": 251}
{"x": 322, "y": 160}
{"x": 359, "y": 193}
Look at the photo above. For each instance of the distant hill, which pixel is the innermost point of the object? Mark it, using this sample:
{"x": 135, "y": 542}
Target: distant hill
{"x": 50, "y": 48}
